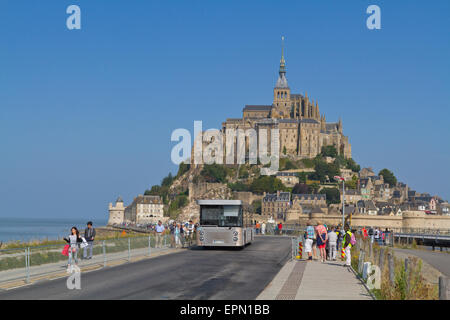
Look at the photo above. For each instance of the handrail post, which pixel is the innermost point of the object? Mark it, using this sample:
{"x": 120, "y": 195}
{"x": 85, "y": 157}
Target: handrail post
{"x": 381, "y": 260}
{"x": 407, "y": 272}
{"x": 149, "y": 245}
{"x": 27, "y": 264}
{"x": 443, "y": 288}
{"x": 104, "y": 253}
{"x": 391, "y": 268}
{"x": 129, "y": 249}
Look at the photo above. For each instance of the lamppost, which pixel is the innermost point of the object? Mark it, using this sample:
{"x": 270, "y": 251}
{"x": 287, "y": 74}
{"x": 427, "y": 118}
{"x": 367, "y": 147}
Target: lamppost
{"x": 343, "y": 198}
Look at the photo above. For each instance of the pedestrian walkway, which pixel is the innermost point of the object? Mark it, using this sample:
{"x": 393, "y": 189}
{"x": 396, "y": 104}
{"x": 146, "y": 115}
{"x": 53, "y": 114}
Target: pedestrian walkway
{"x": 17, "y": 277}
{"x": 302, "y": 280}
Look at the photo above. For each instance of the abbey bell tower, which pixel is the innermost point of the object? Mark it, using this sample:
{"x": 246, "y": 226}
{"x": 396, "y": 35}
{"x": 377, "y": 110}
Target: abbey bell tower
{"x": 281, "y": 92}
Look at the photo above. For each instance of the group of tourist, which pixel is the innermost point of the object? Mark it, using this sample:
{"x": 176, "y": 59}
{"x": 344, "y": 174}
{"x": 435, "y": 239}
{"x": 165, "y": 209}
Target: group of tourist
{"x": 75, "y": 241}
{"x": 329, "y": 240}
{"x": 182, "y": 234}
{"x": 263, "y": 228}
{"x": 260, "y": 228}
{"x": 375, "y": 235}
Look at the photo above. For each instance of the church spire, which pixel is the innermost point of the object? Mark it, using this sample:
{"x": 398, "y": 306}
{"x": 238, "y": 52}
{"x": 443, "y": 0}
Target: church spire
{"x": 282, "y": 61}
{"x": 282, "y": 81}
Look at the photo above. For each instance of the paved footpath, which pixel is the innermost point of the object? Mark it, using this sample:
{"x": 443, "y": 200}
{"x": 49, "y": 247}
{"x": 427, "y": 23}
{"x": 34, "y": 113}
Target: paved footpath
{"x": 16, "y": 277}
{"x": 313, "y": 280}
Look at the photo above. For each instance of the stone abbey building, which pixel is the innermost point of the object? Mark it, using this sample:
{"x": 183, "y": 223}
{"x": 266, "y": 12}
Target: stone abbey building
{"x": 302, "y": 129}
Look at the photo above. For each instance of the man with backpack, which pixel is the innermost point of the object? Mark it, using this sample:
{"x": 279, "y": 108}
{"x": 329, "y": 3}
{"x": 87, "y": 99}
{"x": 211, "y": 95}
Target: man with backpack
{"x": 348, "y": 241}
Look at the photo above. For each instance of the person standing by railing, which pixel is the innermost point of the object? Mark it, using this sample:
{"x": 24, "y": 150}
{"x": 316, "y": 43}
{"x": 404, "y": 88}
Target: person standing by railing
{"x": 89, "y": 235}
{"x": 159, "y": 230}
{"x": 73, "y": 240}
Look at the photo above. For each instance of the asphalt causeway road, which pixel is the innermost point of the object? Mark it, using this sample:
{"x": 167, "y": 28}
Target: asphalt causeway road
{"x": 196, "y": 274}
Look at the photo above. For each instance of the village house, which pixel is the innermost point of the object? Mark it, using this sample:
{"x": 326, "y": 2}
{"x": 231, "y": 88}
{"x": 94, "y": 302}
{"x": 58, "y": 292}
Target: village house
{"x": 289, "y": 179}
{"x": 352, "y": 196}
{"x": 144, "y": 209}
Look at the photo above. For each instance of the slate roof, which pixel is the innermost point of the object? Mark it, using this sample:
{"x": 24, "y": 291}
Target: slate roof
{"x": 147, "y": 199}
{"x": 286, "y": 174}
{"x": 288, "y": 120}
{"x": 351, "y": 192}
{"x": 308, "y": 196}
{"x": 271, "y": 197}
{"x": 257, "y": 108}
{"x": 331, "y": 126}
{"x": 309, "y": 121}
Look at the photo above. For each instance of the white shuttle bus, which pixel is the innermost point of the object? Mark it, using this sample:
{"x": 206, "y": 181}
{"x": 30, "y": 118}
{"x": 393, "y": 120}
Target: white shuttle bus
{"x": 222, "y": 224}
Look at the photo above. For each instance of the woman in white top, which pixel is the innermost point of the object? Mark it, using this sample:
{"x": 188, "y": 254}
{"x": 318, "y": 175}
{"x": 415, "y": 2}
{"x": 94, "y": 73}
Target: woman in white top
{"x": 73, "y": 240}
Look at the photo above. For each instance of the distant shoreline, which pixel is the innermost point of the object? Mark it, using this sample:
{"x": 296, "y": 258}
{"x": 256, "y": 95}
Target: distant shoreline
{"x": 22, "y": 230}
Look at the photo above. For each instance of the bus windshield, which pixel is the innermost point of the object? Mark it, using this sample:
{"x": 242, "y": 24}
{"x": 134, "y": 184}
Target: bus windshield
{"x": 221, "y": 216}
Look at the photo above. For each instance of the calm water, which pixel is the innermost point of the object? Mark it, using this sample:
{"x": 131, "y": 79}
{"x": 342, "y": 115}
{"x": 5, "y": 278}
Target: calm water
{"x": 36, "y": 229}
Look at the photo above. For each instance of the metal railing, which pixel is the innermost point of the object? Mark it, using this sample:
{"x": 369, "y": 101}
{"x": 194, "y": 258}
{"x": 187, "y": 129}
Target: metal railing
{"x": 36, "y": 261}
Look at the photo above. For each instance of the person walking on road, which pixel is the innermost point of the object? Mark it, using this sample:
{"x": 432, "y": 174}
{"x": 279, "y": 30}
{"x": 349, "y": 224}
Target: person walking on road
{"x": 182, "y": 236}
{"x": 347, "y": 245}
{"x": 321, "y": 237}
{"x": 89, "y": 235}
{"x": 189, "y": 233}
{"x": 280, "y": 228}
{"x": 177, "y": 235}
{"x": 159, "y": 230}
{"x": 74, "y": 241}
{"x": 257, "y": 227}
{"x": 263, "y": 228}
{"x": 332, "y": 244}
{"x": 172, "y": 228}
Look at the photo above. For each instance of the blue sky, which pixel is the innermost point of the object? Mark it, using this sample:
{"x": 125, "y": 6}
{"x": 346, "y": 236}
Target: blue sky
{"x": 86, "y": 115}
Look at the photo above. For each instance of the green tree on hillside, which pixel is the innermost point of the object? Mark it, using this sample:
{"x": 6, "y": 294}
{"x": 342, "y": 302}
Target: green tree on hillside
{"x": 352, "y": 183}
{"x": 329, "y": 151}
{"x": 243, "y": 172}
{"x": 301, "y": 188}
{"x": 256, "y": 206}
{"x": 238, "y": 186}
{"x": 302, "y": 177}
{"x": 167, "y": 181}
{"x": 183, "y": 168}
{"x": 320, "y": 169}
{"x": 314, "y": 187}
{"x": 333, "y": 195}
{"x": 214, "y": 173}
{"x": 388, "y": 177}
{"x": 268, "y": 184}
{"x": 351, "y": 164}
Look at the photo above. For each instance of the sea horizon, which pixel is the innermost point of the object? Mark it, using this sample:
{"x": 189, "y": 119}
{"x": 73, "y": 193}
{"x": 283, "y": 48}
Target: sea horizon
{"x": 28, "y": 229}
